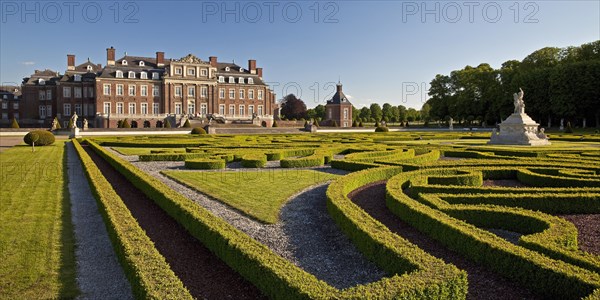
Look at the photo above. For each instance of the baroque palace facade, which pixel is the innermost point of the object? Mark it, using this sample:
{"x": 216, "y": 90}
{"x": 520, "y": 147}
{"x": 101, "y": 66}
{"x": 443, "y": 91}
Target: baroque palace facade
{"x": 147, "y": 90}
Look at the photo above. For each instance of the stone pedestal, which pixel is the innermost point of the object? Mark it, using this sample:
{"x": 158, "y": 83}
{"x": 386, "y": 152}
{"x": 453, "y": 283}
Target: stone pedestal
{"x": 74, "y": 133}
{"x": 519, "y": 129}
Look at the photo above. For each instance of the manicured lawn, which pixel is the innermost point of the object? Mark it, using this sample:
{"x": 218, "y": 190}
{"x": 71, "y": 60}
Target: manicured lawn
{"x": 259, "y": 194}
{"x": 37, "y": 259}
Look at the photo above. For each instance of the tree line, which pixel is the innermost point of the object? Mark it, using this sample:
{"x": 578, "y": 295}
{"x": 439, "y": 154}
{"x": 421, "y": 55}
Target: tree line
{"x": 559, "y": 83}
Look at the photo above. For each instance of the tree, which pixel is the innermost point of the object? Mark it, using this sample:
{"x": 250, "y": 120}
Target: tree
{"x": 376, "y": 112}
{"x": 355, "y": 113}
{"x": 320, "y": 111}
{"x": 402, "y": 113}
{"x": 14, "y": 124}
{"x": 425, "y": 112}
{"x": 387, "y": 112}
{"x": 365, "y": 113}
{"x": 292, "y": 107}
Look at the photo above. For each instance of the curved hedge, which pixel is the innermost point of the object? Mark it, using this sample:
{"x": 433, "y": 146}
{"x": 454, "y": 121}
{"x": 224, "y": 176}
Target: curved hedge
{"x": 198, "y": 130}
{"x": 255, "y": 160}
{"x": 40, "y": 137}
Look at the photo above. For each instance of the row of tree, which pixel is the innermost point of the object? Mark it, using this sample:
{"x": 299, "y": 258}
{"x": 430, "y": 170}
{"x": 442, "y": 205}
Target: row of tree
{"x": 559, "y": 83}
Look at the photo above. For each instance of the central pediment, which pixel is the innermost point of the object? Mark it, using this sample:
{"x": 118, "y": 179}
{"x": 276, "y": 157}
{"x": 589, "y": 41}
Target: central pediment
{"x": 190, "y": 59}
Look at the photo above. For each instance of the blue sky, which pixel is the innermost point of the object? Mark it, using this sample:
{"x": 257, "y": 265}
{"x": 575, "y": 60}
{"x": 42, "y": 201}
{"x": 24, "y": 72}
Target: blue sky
{"x": 383, "y": 51}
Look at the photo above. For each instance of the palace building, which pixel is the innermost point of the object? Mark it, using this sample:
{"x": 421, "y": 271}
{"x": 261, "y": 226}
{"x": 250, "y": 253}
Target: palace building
{"x": 146, "y": 91}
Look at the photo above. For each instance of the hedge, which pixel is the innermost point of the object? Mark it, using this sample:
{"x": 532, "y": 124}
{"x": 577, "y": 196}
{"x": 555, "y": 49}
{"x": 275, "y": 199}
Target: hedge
{"x": 303, "y": 162}
{"x": 146, "y": 269}
{"x": 540, "y": 179}
{"x": 254, "y": 160}
{"x": 41, "y": 137}
{"x": 205, "y": 164}
{"x": 172, "y": 156}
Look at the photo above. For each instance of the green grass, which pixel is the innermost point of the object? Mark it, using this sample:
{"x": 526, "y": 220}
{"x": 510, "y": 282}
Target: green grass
{"x": 259, "y": 194}
{"x": 143, "y": 151}
{"x": 36, "y": 235}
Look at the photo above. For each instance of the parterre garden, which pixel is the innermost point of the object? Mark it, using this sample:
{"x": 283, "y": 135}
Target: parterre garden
{"x": 451, "y": 187}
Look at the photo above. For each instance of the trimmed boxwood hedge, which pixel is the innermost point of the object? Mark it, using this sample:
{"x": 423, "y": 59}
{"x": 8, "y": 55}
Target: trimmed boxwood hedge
{"x": 42, "y": 138}
{"x": 172, "y": 156}
{"x": 205, "y": 164}
{"x": 254, "y": 160}
{"x": 146, "y": 269}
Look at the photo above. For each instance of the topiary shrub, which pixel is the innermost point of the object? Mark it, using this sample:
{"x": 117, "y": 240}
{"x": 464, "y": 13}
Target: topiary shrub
{"x": 568, "y": 129}
{"x": 316, "y": 123}
{"x": 198, "y": 130}
{"x": 167, "y": 123}
{"x": 57, "y": 123}
{"x": 360, "y": 124}
{"x": 335, "y": 124}
{"x": 187, "y": 124}
{"x": 376, "y": 124}
{"x": 14, "y": 124}
{"x": 119, "y": 123}
{"x": 40, "y": 137}
{"x": 305, "y": 123}
{"x": 354, "y": 124}
{"x": 275, "y": 123}
{"x": 125, "y": 124}
{"x": 381, "y": 129}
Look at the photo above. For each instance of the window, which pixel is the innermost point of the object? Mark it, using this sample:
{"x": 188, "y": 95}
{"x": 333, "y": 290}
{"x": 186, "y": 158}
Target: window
{"x": 241, "y": 111}
{"x": 191, "y": 71}
{"x": 142, "y": 63}
{"x": 4, "y": 105}
{"x": 49, "y": 110}
{"x": 124, "y": 62}
{"x": 42, "y": 111}
{"x": 156, "y": 91}
{"x": 106, "y": 108}
{"x": 203, "y": 110}
{"x": 42, "y": 96}
{"x": 90, "y": 92}
{"x": 85, "y": 92}
{"x": 119, "y": 74}
{"x": 260, "y": 94}
{"x": 41, "y": 81}
{"x": 191, "y": 91}
{"x": 67, "y": 109}
{"x": 251, "y": 94}
{"x": 144, "y": 75}
{"x": 203, "y": 92}
{"x": 231, "y": 94}
{"x": 132, "y": 108}
{"x": 250, "y": 81}
{"x": 329, "y": 113}
{"x": 119, "y": 90}
{"x": 178, "y": 71}
{"x": 107, "y": 89}
{"x": 260, "y": 110}
{"x": 131, "y": 74}
{"x": 4, "y": 115}
{"x": 49, "y": 94}
{"x": 221, "y": 79}
{"x": 144, "y": 108}
{"x": 155, "y": 109}
{"x": 242, "y": 94}
{"x": 227, "y": 69}
{"x": 241, "y": 69}
{"x": 221, "y": 109}
{"x": 67, "y": 92}
{"x": 77, "y": 92}
{"x": 221, "y": 93}
{"x": 77, "y": 77}
{"x": 203, "y": 72}
{"x": 132, "y": 90}
{"x": 250, "y": 110}
{"x": 120, "y": 108}
{"x": 241, "y": 80}
{"x": 231, "y": 79}
{"x": 15, "y": 105}
{"x": 345, "y": 124}
{"x": 144, "y": 90}
{"x": 177, "y": 108}
{"x": 155, "y": 75}
{"x": 345, "y": 114}
{"x": 231, "y": 110}
{"x": 78, "y": 109}
{"x": 178, "y": 91}
{"x": 16, "y": 115}
{"x": 89, "y": 68}
{"x": 191, "y": 108}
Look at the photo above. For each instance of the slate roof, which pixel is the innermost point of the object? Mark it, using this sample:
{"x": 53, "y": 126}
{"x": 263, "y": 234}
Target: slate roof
{"x": 339, "y": 97}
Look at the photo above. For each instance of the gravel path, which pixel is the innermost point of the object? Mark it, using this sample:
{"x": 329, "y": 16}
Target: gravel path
{"x": 99, "y": 274}
{"x": 588, "y": 227}
{"x": 305, "y": 235}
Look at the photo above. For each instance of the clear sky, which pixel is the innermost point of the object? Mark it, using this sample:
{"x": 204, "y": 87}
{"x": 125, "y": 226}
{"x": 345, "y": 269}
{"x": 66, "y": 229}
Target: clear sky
{"x": 382, "y": 51}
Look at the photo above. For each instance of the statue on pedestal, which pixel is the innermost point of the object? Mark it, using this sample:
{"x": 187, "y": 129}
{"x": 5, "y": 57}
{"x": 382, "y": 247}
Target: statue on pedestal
{"x": 74, "y": 120}
{"x": 519, "y": 103}
{"x": 54, "y": 125}
{"x": 85, "y": 124}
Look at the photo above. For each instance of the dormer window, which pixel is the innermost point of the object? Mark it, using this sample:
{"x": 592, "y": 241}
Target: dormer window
{"x": 155, "y": 75}
{"x": 89, "y": 68}
{"x": 231, "y": 79}
{"x": 131, "y": 74}
{"x": 227, "y": 69}
{"x": 124, "y": 62}
{"x": 41, "y": 81}
{"x": 191, "y": 72}
{"x": 221, "y": 79}
{"x": 203, "y": 72}
{"x": 241, "y": 80}
{"x": 250, "y": 81}
{"x": 144, "y": 75}
{"x": 142, "y": 63}
{"x": 77, "y": 77}
{"x": 119, "y": 74}
{"x": 241, "y": 69}
{"x": 178, "y": 71}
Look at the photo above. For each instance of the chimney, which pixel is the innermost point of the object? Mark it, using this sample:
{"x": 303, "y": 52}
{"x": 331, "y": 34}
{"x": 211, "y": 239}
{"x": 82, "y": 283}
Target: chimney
{"x": 70, "y": 62}
{"x": 110, "y": 56}
{"x": 213, "y": 61}
{"x": 160, "y": 59}
{"x": 99, "y": 66}
{"x": 259, "y": 72}
{"x": 252, "y": 66}
{"x": 339, "y": 87}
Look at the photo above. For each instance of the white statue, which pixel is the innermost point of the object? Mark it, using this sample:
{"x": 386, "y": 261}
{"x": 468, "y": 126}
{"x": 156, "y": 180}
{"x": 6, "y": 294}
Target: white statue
{"x": 85, "y": 124}
{"x": 541, "y": 134}
{"x": 519, "y": 103}
{"x": 74, "y": 120}
{"x": 54, "y": 125}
